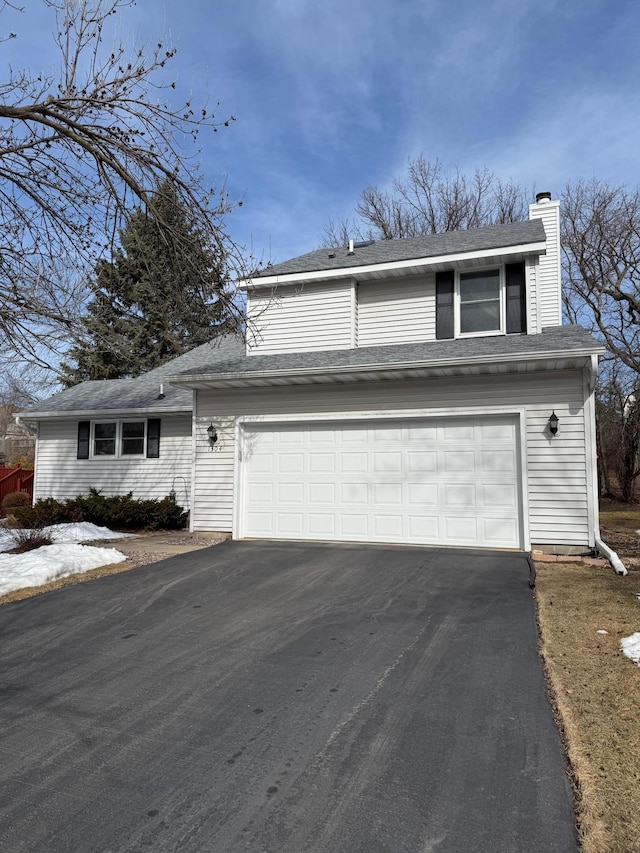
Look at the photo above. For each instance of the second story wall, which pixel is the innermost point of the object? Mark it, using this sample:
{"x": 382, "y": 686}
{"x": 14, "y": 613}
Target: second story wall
{"x": 301, "y": 318}
{"x": 399, "y": 311}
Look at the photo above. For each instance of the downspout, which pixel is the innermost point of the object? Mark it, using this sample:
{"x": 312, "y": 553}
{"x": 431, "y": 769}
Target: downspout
{"x": 602, "y": 547}
{"x": 29, "y": 427}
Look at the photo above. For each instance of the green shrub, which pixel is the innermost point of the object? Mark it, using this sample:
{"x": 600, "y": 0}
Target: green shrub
{"x": 119, "y": 512}
{"x": 14, "y": 499}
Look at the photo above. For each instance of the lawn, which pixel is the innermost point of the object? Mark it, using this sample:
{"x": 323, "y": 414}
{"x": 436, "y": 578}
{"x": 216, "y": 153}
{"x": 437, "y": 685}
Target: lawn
{"x": 595, "y": 688}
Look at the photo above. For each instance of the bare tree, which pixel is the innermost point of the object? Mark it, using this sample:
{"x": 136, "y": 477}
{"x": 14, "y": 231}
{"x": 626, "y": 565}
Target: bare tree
{"x": 430, "y": 200}
{"x": 76, "y": 153}
{"x": 601, "y": 261}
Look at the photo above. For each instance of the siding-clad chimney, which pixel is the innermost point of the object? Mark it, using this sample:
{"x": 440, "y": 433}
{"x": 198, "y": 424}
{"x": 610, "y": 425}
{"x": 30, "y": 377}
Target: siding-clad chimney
{"x": 548, "y": 277}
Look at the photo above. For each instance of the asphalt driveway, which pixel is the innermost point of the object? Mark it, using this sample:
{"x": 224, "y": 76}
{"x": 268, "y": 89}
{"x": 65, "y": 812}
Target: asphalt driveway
{"x": 282, "y": 698}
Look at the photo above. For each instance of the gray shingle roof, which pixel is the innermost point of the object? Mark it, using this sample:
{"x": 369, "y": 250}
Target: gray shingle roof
{"x": 142, "y": 392}
{"x": 411, "y": 248}
{"x": 560, "y": 339}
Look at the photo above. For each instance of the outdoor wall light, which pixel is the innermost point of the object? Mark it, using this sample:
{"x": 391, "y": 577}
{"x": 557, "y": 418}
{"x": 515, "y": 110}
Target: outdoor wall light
{"x": 553, "y": 423}
{"x": 212, "y": 434}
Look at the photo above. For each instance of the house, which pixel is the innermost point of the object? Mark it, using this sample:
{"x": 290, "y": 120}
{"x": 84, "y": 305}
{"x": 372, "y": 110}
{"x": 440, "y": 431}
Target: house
{"x": 121, "y": 435}
{"x": 416, "y": 391}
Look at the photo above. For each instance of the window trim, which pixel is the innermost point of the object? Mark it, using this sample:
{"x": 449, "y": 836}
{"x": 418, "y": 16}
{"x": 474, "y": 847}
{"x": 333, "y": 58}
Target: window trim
{"x": 502, "y": 330}
{"x": 118, "y": 439}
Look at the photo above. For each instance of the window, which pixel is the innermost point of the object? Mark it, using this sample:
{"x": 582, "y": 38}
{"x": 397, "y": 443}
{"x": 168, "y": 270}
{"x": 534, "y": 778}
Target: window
{"x": 133, "y": 438}
{"x": 100, "y": 439}
{"x": 104, "y": 439}
{"x": 480, "y": 302}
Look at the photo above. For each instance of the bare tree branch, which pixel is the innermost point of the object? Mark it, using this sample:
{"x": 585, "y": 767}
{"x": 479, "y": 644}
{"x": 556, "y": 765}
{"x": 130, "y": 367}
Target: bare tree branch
{"x": 76, "y": 154}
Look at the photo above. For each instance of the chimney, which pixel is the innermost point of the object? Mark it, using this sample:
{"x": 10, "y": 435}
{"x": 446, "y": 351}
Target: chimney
{"x": 548, "y": 273}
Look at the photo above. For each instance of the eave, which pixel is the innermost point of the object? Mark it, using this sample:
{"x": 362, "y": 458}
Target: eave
{"x": 425, "y": 369}
{"x": 107, "y": 414}
{"x": 392, "y": 269}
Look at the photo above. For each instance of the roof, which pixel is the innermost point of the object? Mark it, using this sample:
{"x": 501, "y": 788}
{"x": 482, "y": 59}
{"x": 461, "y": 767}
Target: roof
{"x": 141, "y": 393}
{"x": 554, "y": 342}
{"x": 411, "y": 248}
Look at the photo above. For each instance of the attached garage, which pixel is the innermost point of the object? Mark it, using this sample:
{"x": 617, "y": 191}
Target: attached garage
{"x": 445, "y": 481}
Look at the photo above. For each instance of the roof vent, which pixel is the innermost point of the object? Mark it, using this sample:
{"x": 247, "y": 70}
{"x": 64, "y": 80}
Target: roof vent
{"x": 331, "y": 255}
{"x": 543, "y": 198}
{"x": 161, "y": 394}
{"x": 364, "y": 243}
{"x": 351, "y": 252}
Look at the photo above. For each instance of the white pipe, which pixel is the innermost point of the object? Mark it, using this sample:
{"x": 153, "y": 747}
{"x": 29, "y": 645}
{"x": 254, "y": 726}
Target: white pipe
{"x": 613, "y": 558}
{"x": 18, "y": 419}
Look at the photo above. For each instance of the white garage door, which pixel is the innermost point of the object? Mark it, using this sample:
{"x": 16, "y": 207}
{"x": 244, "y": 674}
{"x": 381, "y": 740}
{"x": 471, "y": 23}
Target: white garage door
{"x": 447, "y": 481}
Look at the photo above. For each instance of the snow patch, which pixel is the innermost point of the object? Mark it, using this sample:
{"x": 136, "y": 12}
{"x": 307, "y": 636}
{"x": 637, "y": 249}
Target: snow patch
{"x": 82, "y": 531}
{"x": 631, "y": 647}
{"x": 601, "y": 631}
{"x": 50, "y": 562}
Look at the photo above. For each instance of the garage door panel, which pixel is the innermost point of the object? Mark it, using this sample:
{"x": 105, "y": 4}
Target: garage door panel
{"x": 290, "y": 463}
{"x": 497, "y": 460}
{"x": 387, "y": 493}
{"x": 260, "y": 523}
{"x": 422, "y": 461}
{"x": 290, "y": 523}
{"x": 459, "y": 495}
{"x": 459, "y": 461}
{"x": 322, "y": 463}
{"x": 387, "y": 463}
{"x": 499, "y": 495}
{"x": 425, "y": 494}
{"x": 353, "y": 525}
{"x": 452, "y": 431}
{"x": 424, "y": 528}
{"x": 499, "y": 531}
{"x": 432, "y": 481}
{"x": 354, "y": 463}
{"x": 461, "y": 528}
{"x": 322, "y": 493}
{"x": 291, "y": 493}
{"x": 322, "y": 525}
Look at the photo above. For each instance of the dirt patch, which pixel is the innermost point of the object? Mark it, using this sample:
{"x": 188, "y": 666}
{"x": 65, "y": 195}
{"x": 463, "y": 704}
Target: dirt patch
{"x": 596, "y": 691}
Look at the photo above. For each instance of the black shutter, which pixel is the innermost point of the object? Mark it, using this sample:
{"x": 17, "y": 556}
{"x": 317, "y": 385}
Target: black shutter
{"x": 84, "y": 430}
{"x": 516, "y": 305}
{"x": 153, "y": 438}
{"x": 444, "y": 304}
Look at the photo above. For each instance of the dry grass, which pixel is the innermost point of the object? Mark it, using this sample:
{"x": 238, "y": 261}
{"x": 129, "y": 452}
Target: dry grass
{"x": 597, "y": 695}
{"x": 71, "y": 580}
{"x": 619, "y": 517}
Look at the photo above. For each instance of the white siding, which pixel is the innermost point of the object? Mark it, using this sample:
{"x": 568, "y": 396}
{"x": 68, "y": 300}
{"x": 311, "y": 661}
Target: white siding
{"x": 556, "y": 474}
{"x": 397, "y": 311}
{"x": 549, "y": 296}
{"x": 60, "y": 475}
{"x": 533, "y": 315}
{"x": 301, "y": 318}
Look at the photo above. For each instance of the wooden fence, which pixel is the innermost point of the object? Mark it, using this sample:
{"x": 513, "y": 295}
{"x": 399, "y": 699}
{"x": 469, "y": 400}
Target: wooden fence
{"x": 15, "y": 480}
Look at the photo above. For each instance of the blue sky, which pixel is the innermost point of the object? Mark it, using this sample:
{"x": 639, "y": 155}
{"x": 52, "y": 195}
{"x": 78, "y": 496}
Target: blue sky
{"x": 331, "y": 96}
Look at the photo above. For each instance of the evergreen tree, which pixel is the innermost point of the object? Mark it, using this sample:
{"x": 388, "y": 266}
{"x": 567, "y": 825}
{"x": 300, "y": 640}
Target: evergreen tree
{"x": 157, "y": 298}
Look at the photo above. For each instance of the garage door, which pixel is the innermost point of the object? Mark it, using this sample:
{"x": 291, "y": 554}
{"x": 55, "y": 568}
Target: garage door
{"x": 446, "y": 481}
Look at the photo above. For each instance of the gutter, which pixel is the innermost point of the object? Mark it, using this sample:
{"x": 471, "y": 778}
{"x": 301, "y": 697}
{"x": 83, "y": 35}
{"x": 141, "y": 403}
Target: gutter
{"x": 90, "y": 414}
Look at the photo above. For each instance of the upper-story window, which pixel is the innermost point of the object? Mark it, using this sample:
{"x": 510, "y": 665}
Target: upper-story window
{"x": 482, "y": 302}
